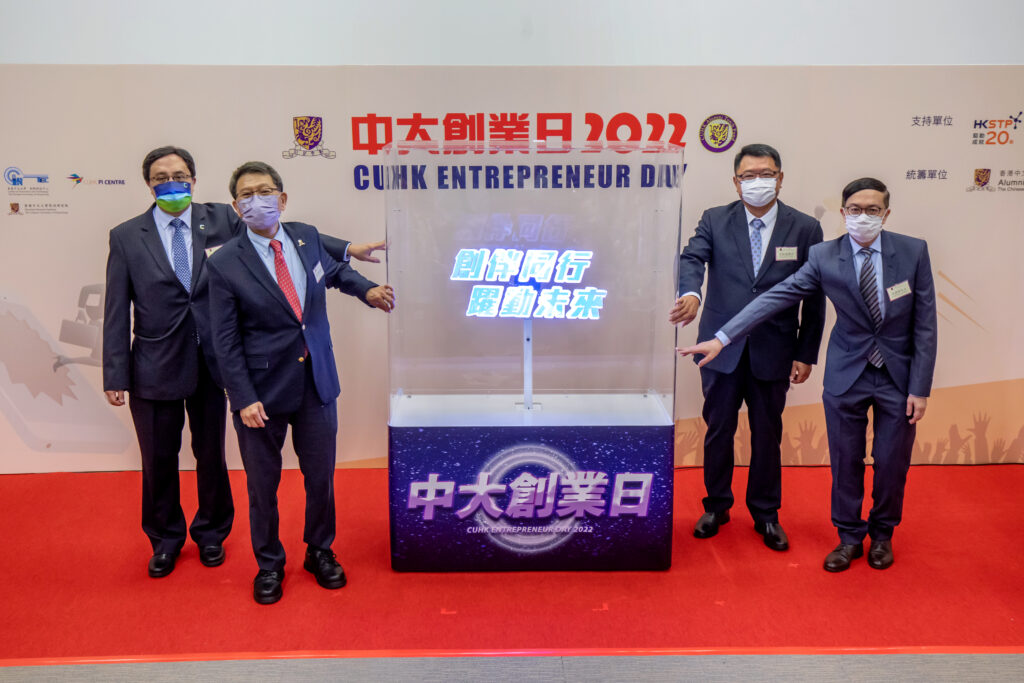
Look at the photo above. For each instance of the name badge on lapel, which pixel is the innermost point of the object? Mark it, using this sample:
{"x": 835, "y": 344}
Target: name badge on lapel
{"x": 210, "y": 250}
{"x": 785, "y": 253}
{"x": 898, "y": 290}
{"x": 318, "y": 271}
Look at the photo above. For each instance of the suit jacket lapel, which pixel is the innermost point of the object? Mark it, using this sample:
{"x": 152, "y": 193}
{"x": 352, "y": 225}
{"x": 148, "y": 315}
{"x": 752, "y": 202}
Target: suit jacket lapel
{"x": 741, "y": 232}
{"x": 302, "y": 247}
{"x": 198, "y": 242}
{"x": 890, "y": 270}
{"x": 151, "y": 238}
{"x": 255, "y": 265}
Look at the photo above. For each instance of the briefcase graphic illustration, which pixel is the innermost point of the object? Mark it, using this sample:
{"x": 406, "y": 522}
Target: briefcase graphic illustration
{"x": 45, "y": 397}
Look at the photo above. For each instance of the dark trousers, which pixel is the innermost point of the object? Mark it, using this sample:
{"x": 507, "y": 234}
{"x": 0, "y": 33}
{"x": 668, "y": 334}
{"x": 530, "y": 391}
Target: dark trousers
{"x": 158, "y": 425}
{"x": 846, "y": 417}
{"x": 314, "y": 433}
{"x": 765, "y": 399}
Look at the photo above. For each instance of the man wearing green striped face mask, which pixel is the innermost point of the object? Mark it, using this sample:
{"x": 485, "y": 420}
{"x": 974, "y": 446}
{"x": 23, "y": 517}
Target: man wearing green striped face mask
{"x": 158, "y": 348}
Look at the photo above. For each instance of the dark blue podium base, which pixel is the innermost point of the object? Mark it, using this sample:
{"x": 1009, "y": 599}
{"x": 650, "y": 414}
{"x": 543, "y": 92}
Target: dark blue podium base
{"x": 530, "y": 498}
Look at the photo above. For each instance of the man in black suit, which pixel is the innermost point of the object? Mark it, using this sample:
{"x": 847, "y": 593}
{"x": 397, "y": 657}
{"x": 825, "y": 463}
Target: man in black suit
{"x": 747, "y": 247}
{"x": 268, "y": 298}
{"x": 156, "y": 272}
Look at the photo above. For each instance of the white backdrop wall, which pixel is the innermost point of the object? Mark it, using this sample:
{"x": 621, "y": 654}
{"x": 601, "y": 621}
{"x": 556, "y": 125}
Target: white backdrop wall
{"x": 831, "y": 124}
{"x": 522, "y": 32}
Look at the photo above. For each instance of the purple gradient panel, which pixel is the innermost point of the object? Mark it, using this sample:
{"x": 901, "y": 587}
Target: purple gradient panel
{"x": 533, "y": 511}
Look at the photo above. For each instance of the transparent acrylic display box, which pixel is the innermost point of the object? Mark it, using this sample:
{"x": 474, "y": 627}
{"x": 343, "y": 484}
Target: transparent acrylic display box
{"x": 533, "y": 285}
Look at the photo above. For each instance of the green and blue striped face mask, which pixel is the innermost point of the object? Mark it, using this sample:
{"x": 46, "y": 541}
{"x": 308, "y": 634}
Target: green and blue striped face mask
{"x": 173, "y": 197}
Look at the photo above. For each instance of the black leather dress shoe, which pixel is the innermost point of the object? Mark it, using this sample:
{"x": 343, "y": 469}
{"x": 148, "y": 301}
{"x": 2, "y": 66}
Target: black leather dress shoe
{"x": 211, "y": 555}
{"x": 162, "y": 564}
{"x": 324, "y": 567}
{"x": 774, "y": 535}
{"x": 839, "y": 559}
{"x": 707, "y": 525}
{"x": 266, "y": 588}
{"x": 880, "y": 554}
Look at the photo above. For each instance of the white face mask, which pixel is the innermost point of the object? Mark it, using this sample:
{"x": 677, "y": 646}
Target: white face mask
{"x": 864, "y": 228}
{"x": 758, "y": 191}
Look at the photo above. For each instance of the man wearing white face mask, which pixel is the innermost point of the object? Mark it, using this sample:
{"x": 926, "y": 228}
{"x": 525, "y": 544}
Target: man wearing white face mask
{"x": 748, "y": 246}
{"x": 881, "y": 355}
{"x": 273, "y": 343}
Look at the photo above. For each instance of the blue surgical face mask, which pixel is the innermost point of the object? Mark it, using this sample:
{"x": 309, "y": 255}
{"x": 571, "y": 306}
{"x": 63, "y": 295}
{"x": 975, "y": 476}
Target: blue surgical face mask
{"x": 173, "y": 197}
{"x": 260, "y": 213}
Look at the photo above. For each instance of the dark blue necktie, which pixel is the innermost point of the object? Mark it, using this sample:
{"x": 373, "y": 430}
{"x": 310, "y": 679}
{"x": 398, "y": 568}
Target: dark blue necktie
{"x": 869, "y": 290}
{"x": 182, "y": 267}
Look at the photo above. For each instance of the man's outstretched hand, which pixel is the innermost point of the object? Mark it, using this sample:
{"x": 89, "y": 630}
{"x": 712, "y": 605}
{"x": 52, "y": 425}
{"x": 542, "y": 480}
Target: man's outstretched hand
{"x": 708, "y": 349}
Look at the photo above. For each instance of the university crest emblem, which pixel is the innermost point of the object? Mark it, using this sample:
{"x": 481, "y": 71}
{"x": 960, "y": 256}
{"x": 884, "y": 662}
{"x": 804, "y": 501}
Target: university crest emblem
{"x": 309, "y": 134}
{"x": 718, "y": 133}
{"x": 982, "y": 176}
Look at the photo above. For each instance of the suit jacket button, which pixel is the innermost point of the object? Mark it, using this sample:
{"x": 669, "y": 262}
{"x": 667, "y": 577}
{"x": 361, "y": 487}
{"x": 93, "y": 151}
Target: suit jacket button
{"x": 302, "y": 360}
{"x": 303, "y": 326}
{"x": 754, "y": 290}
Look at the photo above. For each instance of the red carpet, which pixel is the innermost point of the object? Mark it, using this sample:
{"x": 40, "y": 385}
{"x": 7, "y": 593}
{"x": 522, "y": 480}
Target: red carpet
{"x": 73, "y": 560}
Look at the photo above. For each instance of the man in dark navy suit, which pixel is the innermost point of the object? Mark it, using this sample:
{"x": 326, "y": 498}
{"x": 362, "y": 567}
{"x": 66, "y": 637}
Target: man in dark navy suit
{"x": 268, "y": 296}
{"x": 881, "y": 356}
{"x": 748, "y": 246}
{"x": 156, "y": 272}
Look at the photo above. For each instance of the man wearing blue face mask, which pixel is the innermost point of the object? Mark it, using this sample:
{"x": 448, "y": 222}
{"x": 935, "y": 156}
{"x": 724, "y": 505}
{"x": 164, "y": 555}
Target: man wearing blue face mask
{"x": 881, "y": 356}
{"x": 273, "y": 341}
{"x": 746, "y": 247}
{"x": 157, "y": 279}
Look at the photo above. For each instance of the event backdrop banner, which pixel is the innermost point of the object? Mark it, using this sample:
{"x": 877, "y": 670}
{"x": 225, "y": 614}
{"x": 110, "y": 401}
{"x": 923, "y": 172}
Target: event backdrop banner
{"x": 948, "y": 141}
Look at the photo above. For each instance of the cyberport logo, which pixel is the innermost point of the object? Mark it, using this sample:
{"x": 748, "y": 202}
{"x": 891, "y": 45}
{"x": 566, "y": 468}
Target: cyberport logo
{"x": 527, "y": 299}
{"x": 982, "y": 176}
{"x": 309, "y": 135}
{"x": 78, "y": 180}
{"x": 718, "y": 133}
{"x": 546, "y": 498}
{"x": 996, "y": 131}
{"x": 14, "y": 177}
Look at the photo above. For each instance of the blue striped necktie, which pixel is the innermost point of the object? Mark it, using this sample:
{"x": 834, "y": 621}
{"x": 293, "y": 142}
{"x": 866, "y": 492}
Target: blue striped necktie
{"x": 182, "y": 267}
{"x": 869, "y": 290}
{"x": 755, "y": 242}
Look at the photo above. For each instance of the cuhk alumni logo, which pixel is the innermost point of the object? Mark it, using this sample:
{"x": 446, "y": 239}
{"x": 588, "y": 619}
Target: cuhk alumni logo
{"x": 309, "y": 135}
{"x": 718, "y": 133}
{"x": 982, "y": 176}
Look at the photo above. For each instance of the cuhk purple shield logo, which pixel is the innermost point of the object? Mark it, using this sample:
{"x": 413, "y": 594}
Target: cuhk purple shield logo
{"x": 309, "y": 135}
{"x": 309, "y": 131}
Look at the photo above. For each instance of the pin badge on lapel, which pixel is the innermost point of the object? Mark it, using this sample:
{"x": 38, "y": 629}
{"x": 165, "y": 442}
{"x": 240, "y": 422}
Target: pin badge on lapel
{"x": 301, "y": 243}
{"x": 202, "y": 227}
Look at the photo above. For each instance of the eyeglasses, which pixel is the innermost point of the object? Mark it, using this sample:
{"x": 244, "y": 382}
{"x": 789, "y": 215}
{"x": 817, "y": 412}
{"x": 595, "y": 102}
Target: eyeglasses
{"x": 163, "y": 178}
{"x": 749, "y": 175}
{"x": 262, "y": 192}
{"x": 871, "y": 211}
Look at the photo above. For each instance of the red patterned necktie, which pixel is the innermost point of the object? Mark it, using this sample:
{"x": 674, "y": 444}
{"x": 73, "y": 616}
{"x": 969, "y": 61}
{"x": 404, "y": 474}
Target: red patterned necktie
{"x": 284, "y": 279}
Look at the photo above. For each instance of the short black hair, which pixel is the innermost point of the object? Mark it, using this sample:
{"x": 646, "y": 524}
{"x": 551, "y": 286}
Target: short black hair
{"x": 759, "y": 151}
{"x": 254, "y": 167}
{"x": 865, "y": 184}
{"x": 166, "y": 151}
